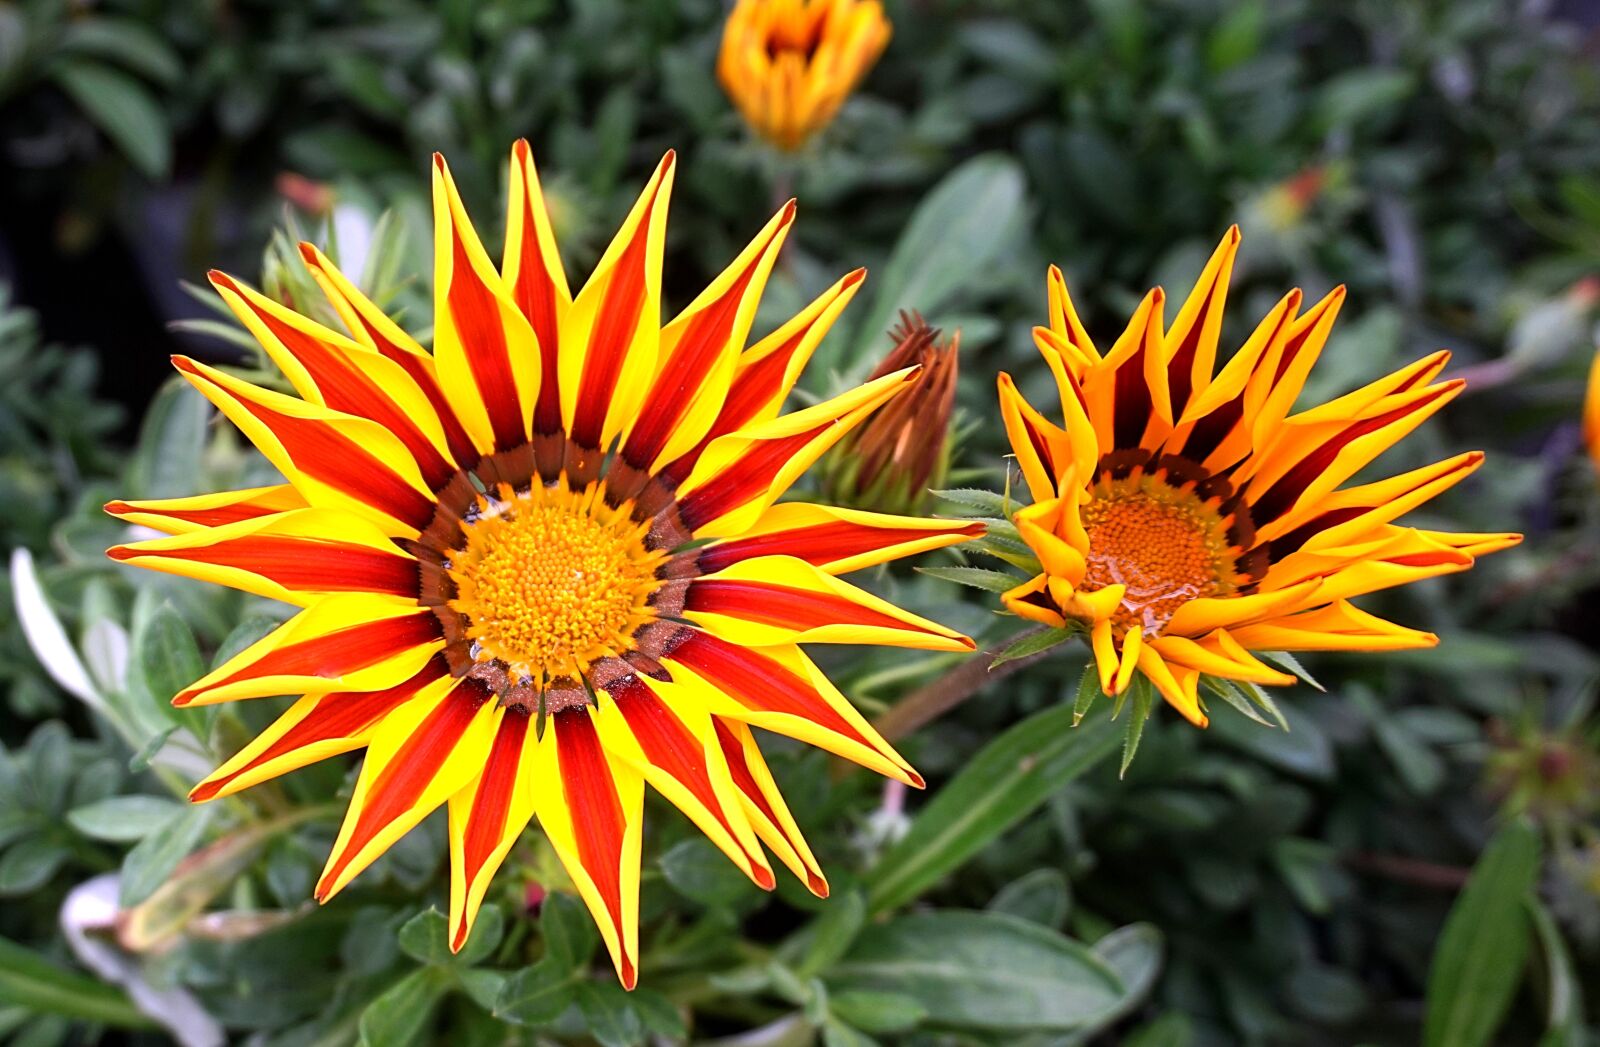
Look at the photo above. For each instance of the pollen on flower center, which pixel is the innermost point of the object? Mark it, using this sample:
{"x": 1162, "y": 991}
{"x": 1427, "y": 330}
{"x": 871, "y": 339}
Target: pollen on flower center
{"x": 1164, "y": 544}
{"x": 550, "y": 580}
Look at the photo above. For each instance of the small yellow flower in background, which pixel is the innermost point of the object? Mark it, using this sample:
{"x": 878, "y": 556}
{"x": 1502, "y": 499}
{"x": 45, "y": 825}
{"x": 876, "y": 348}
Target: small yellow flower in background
{"x": 1186, "y": 518}
{"x": 789, "y": 64}
{"x": 1591, "y": 413}
{"x": 892, "y": 460}
{"x": 544, "y": 563}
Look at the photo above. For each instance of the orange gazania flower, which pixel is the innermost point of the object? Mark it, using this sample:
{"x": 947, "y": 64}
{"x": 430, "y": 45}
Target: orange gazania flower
{"x": 542, "y": 565}
{"x": 790, "y": 64}
{"x": 1186, "y": 518}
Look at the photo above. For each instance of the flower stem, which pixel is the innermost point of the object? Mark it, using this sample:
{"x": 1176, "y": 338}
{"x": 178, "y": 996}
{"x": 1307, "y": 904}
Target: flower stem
{"x": 956, "y": 685}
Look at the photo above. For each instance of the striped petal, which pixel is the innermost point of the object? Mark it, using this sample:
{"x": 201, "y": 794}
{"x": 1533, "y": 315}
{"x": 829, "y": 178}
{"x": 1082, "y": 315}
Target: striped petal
{"x": 699, "y": 352}
{"x": 777, "y": 689}
{"x": 772, "y": 600}
{"x": 335, "y": 460}
{"x": 314, "y": 728}
{"x": 767, "y": 372}
{"x": 532, "y": 270}
{"x": 485, "y": 351}
{"x": 294, "y": 556}
{"x": 764, "y": 804}
{"x": 1191, "y": 345}
{"x": 329, "y": 369}
{"x": 196, "y": 512}
{"x": 837, "y": 541}
{"x": 373, "y": 328}
{"x": 675, "y": 749}
{"x": 1041, "y": 448}
{"x": 347, "y": 642}
{"x": 595, "y": 830}
{"x": 613, "y": 328}
{"x": 488, "y": 814}
{"x": 1338, "y": 627}
{"x": 421, "y": 754}
{"x": 743, "y": 473}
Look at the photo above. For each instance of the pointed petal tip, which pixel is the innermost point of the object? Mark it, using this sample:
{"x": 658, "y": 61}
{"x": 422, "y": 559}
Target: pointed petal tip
{"x": 120, "y": 553}
{"x": 220, "y": 279}
{"x": 628, "y": 974}
{"x": 310, "y": 255}
{"x": 459, "y": 938}
{"x": 1232, "y": 236}
{"x": 763, "y": 878}
{"x": 522, "y": 150}
{"x": 206, "y": 790}
{"x": 852, "y": 278}
{"x": 117, "y": 507}
{"x": 817, "y": 884}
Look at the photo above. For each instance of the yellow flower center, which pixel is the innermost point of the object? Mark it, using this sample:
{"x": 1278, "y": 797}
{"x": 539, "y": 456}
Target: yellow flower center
{"x": 1164, "y": 544}
{"x": 551, "y": 580}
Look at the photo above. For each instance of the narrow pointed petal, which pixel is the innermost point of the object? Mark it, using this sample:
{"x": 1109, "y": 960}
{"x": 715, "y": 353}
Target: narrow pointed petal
{"x": 346, "y": 642}
{"x": 314, "y": 728}
{"x": 1041, "y": 448}
{"x": 485, "y": 352}
{"x": 196, "y": 512}
{"x": 294, "y": 556}
{"x": 611, "y": 334}
{"x": 532, "y": 270}
{"x": 777, "y": 689}
{"x": 335, "y": 460}
{"x": 1191, "y": 346}
{"x": 595, "y": 830}
{"x": 487, "y": 815}
{"x": 1064, "y": 322}
{"x": 373, "y": 328}
{"x": 675, "y": 748}
{"x": 329, "y": 369}
{"x": 1214, "y": 658}
{"x": 772, "y": 600}
{"x": 743, "y": 473}
{"x": 1338, "y": 627}
{"x": 837, "y": 541}
{"x": 699, "y": 352}
{"x": 421, "y": 754}
{"x": 764, "y": 804}
{"x": 767, "y": 371}
{"x": 1180, "y": 686}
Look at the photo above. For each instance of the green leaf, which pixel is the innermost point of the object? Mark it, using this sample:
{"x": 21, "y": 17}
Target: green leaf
{"x": 1143, "y": 699}
{"x": 569, "y": 933}
{"x": 539, "y": 994}
{"x": 124, "y": 42}
{"x": 1170, "y": 1030}
{"x": 832, "y": 933}
{"x": 171, "y": 442}
{"x": 1000, "y": 786}
{"x": 877, "y": 1011}
{"x": 123, "y": 110}
{"x": 698, "y": 871}
{"x": 426, "y": 937}
{"x": 1088, "y": 691}
{"x": 29, "y": 863}
{"x": 985, "y": 503}
{"x": 398, "y": 1017}
{"x": 836, "y": 1033}
{"x": 123, "y": 819}
{"x": 30, "y": 981}
{"x": 1032, "y": 643}
{"x": 976, "y": 577}
{"x": 1288, "y": 661}
{"x": 169, "y": 657}
{"x": 1360, "y": 94}
{"x": 608, "y": 1014}
{"x": 1041, "y": 896}
{"x": 966, "y": 222}
{"x": 1478, "y": 961}
{"x": 1135, "y": 952}
{"x": 1563, "y": 991}
{"x": 152, "y": 860}
{"x": 983, "y": 970}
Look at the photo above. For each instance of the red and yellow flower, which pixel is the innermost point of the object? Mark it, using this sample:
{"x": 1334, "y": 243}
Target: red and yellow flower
{"x": 543, "y": 565}
{"x": 1591, "y": 413}
{"x": 1187, "y": 516}
{"x": 790, "y": 64}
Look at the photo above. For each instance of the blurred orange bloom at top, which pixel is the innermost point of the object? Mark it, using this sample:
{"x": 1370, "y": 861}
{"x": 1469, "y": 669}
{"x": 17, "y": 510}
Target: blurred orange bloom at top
{"x": 1591, "y": 413}
{"x": 790, "y": 64}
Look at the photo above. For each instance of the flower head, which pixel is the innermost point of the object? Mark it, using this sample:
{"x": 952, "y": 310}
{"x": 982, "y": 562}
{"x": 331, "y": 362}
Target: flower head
{"x": 894, "y": 458}
{"x": 790, "y": 64}
{"x": 542, "y": 565}
{"x": 1187, "y": 517}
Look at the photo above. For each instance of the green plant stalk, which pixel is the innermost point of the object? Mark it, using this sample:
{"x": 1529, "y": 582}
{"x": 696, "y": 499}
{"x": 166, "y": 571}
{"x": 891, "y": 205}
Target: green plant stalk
{"x": 962, "y": 681}
{"x": 29, "y": 981}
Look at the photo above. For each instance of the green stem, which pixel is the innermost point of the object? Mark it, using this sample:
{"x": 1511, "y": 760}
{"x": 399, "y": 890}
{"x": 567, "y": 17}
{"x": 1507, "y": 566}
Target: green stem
{"x": 956, "y": 685}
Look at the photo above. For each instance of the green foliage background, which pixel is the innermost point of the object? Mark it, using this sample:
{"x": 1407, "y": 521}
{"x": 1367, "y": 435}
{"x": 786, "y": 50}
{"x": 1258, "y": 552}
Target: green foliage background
{"x": 1416, "y": 858}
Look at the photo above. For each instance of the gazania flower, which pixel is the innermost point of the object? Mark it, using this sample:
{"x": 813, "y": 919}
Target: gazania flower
{"x": 1591, "y": 413}
{"x": 542, "y": 565}
{"x": 790, "y": 64}
{"x": 1186, "y": 518}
